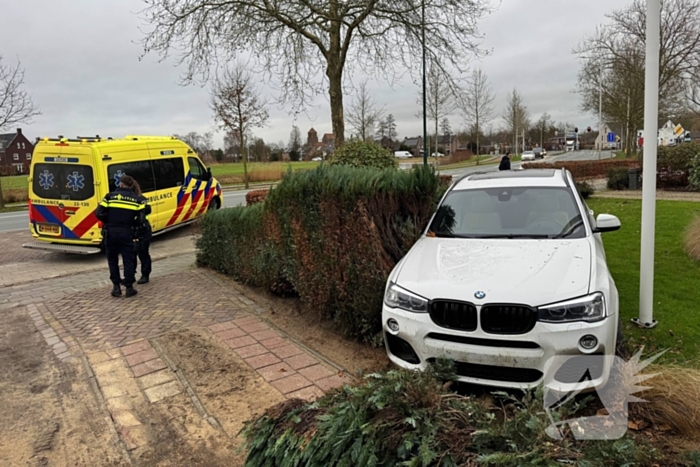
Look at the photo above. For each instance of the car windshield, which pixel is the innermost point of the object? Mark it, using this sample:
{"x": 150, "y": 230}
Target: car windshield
{"x": 513, "y": 212}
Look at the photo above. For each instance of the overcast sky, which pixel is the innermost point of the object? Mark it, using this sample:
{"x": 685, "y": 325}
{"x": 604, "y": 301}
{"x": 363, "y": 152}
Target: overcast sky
{"x": 81, "y": 59}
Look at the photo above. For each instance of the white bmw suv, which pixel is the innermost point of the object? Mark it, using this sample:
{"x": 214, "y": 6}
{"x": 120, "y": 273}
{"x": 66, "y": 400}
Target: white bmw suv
{"x": 509, "y": 275}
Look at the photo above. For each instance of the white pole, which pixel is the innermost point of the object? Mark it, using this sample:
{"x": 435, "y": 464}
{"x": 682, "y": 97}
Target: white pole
{"x": 600, "y": 110}
{"x": 651, "y": 115}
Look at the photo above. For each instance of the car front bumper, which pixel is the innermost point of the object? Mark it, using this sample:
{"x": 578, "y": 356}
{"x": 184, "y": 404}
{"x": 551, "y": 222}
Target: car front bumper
{"x": 512, "y": 361}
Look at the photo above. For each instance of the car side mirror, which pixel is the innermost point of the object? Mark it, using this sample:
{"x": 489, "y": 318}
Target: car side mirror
{"x": 208, "y": 174}
{"x": 606, "y": 223}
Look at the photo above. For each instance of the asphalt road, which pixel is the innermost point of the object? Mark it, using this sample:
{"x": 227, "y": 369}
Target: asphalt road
{"x": 19, "y": 220}
{"x": 13, "y": 221}
{"x": 567, "y": 156}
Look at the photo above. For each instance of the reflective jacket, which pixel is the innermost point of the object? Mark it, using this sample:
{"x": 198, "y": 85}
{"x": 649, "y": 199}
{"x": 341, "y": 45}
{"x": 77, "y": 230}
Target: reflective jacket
{"x": 122, "y": 210}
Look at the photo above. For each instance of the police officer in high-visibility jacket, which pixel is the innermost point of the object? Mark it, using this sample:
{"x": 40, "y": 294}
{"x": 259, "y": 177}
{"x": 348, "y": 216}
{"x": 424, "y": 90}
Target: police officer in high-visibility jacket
{"x": 120, "y": 212}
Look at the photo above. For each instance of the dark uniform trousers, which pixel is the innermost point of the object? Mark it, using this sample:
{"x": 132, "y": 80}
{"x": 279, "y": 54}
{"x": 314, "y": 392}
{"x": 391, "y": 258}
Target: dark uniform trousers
{"x": 120, "y": 212}
{"x": 143, "y": 244}
{"x": 121, "y": 242}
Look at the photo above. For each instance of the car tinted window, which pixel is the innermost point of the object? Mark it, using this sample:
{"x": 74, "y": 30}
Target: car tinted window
{"x": 196, "y": 168}
{"x": 141, "y": 171}
{"x": 63, "y": 181}
{"x": 170, "y": 172}
{"x": 509, "y": 213}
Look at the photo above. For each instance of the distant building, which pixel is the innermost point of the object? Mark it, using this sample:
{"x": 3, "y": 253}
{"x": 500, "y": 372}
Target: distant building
{"x": 15, "y": 153}
{"x": 668, "y": 135}
{"x": 415, "y": 145}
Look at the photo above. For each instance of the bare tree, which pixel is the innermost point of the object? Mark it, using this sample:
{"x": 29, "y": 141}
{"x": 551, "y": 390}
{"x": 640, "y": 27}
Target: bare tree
{"x": 613, "y": 62}
{"x": 16, "y": 105}
{"x": 516, "y": 117}
{"x": 364, "y": 114}
{"x": 237, "y": 105}
{"x": 543, "y": 125}
{"x": 232, "y": 144}
{"x": 391, "y": 132}
{"x": 292, "y": 39}
{"x": 440, "y": 98}
{"x": 477, "y": 104}
{"x": 199, "y": 143}
{"x": 295, "y": 143}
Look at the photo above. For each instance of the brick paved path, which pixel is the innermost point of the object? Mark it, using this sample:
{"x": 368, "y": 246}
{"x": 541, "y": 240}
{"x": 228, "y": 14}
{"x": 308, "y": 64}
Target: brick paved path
{"x": 115, "y": 337}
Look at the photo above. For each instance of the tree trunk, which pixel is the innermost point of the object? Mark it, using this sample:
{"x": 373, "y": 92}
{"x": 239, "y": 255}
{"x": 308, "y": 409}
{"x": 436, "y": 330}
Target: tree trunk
{"x": 246, "y": 155}
{"x": 335, "y": 79}
{"x": 2, "y": 200}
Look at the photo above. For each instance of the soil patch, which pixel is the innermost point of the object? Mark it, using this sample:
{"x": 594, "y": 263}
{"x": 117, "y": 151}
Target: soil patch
{"x": 228, "y": 388}
{"x": 49, "y": 415}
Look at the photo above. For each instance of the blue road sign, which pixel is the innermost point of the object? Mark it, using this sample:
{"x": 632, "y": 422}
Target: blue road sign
{"x": 611, "y": 137}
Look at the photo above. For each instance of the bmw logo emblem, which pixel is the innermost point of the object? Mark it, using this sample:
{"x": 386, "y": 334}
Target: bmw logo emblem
{"x": 480, "y": 295}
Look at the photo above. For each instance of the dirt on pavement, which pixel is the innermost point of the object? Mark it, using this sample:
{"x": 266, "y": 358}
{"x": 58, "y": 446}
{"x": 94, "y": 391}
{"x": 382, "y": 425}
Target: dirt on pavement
{"x": 227, "y": 387}
{"x": 50, "y": 415}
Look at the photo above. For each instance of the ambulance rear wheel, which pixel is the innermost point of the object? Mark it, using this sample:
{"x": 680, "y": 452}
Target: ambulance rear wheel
{"x": 214, "y": 204}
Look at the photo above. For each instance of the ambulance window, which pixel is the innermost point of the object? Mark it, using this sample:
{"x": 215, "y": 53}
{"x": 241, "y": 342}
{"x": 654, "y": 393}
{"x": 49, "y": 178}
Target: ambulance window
{"x": 196, "y": 168}
{"x": 63, "y": 181}
{"x": 170, "y": 172}
{"x": 141, "y": 171}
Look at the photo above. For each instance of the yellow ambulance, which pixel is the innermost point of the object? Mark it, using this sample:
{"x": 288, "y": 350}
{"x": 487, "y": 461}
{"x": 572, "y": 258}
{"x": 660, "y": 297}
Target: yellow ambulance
{"x": 69, "y": 177}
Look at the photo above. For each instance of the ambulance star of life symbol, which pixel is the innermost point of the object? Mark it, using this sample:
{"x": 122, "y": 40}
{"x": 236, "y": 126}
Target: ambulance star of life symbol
{"x": 76, "y": 181}
{"x": 46, "y": 179}
{"x": 118, "y": 177}
{"x": 567, "y": 376}
{"x": 479, "y": 294}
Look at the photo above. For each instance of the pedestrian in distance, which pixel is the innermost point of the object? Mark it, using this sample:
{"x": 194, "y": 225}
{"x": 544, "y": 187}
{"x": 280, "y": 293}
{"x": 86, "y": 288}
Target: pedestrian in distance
{"x": 120, "y": 211}
{"x": 142, "y": 237}
{"x": 505, "y": 162}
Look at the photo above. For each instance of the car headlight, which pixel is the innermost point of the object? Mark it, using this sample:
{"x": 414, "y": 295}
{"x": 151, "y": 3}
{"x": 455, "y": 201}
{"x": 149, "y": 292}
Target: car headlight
{"x": 396, "y": 297}
{"x": 590, "y": 308}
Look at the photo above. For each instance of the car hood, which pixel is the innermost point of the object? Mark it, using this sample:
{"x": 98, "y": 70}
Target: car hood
{"x": 524, "y": 271}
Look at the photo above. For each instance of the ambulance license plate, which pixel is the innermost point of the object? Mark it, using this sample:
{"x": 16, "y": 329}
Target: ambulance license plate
{"x": 50, "y": 229}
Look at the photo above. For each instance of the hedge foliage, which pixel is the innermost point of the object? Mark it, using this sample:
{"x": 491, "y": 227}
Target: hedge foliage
{"x": 585, "y": 189}
{"x": 358, "y": 153}
{"x": 618, "y": 178}
{"x": 585, "y": 169}
{"x": 332, "y": 235}
{"x": 410, "y": 418}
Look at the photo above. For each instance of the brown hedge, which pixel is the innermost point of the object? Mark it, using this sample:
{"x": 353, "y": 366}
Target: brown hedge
{"x": 585, "y": 169}
{"x": 333, "y": 235}
{"x": 255, "y": 196}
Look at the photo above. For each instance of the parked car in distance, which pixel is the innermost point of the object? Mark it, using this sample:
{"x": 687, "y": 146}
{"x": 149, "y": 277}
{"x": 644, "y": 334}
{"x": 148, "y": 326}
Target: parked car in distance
{"x": 539, "y": 153}
{"x": 317, "y": 159}
{"x": 403, "y": 154}
{"x": 437, "y": 154}
{"x": 528, "y": 156}
{"x": 509, "y": 275}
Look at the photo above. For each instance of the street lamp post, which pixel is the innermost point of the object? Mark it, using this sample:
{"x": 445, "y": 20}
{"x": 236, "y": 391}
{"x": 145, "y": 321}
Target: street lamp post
{"x": 600, "y": 110}
{"x": 651, "y": 115}
{"x": 425, "y": 118}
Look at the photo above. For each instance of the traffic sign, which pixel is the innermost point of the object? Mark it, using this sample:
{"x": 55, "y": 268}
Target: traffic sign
{"x": 678, "y": 130}
{"x": 611, "y": 137}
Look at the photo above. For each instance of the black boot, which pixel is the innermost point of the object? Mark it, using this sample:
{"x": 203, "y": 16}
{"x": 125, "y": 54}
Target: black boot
{"x": 130, "y": 292}
{"x": 143, "y": 280}
{"x": 116, "y": 291}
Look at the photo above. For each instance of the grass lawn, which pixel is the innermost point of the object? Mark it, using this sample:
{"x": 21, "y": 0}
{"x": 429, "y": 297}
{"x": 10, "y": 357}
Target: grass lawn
{"x": 677, "y": 277}
{"x": 16, "y": 182}
{"x": 237, "y": 168}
